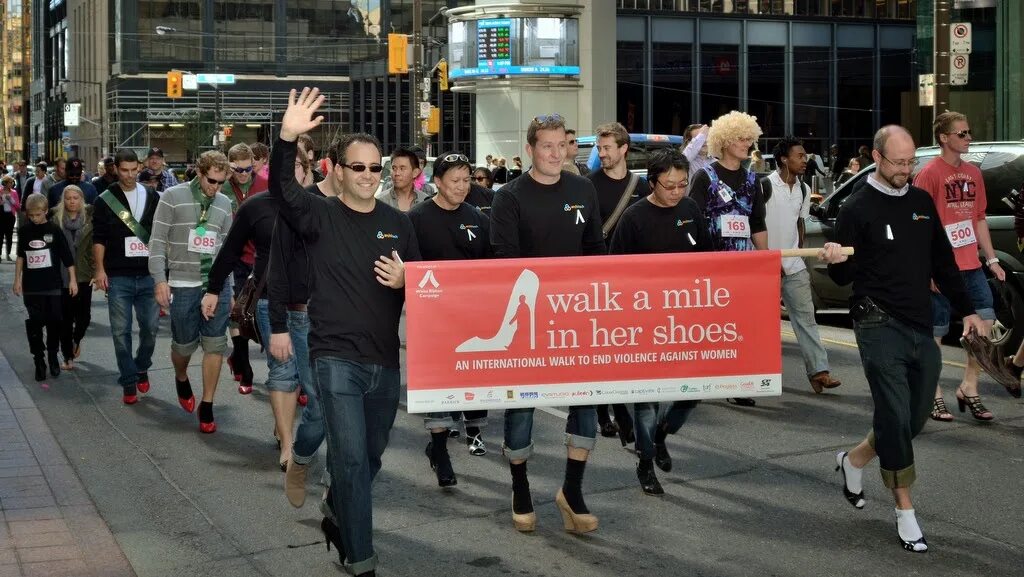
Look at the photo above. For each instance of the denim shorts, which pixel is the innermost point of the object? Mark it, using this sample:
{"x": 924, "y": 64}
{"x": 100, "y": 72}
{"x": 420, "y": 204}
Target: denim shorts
{"x": 979, "y": 293}
{"x": 287, "y": 376}
{"x": 189, "y": 328}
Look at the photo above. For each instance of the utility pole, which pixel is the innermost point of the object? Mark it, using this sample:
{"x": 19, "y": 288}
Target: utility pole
{"x": 941, "y": 56}
{"x": 415, "y": 73}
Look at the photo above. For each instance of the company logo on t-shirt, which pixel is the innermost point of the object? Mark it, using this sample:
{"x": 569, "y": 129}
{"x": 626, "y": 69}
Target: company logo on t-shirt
{"x": 916, "y": 216}
{"x": 572, "y": 207}
{"x": 383, "y": 235}
{"x": 682, "y": 222}
{"x": 465, "y": 226}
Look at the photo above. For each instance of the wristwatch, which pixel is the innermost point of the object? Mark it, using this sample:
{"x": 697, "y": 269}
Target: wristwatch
{"x": 992, "y": 261}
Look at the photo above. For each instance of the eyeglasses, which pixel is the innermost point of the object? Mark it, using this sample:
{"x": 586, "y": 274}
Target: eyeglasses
{"x": 545, "y": 118}
{"x": 962, "y": 133}
{"x": 901, "y": 163}
{"x": 374, "y": 168}
{"x": 217, "y": 182}
{"x": 241, "y": 170}
{"x": 480, "y": 178}
{"x": 455, "y": 158}
{"x": 678, "y": 186}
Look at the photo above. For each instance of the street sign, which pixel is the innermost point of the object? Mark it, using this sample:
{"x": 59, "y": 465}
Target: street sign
{"x": 189, "y": 82}
{"x": 424, "y": 110}
{"x": 960, "y": 38}
{"x": 926, "y": 90}
{"x": 958, "y": 69}
{"x": 71, "y": 113}
{"x": 216, "y": 78}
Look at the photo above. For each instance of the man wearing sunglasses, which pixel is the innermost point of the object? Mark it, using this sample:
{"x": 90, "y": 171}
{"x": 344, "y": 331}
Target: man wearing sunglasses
{"x": 355, "y": 304}
{"x": 958, "y": 190}
{"x": 189, "y": 227}
{"x": 548, "y": 212}
{"x": 449, "y": 228}
{"x": 572, "y": 148}
{"x": 242, "y": 183}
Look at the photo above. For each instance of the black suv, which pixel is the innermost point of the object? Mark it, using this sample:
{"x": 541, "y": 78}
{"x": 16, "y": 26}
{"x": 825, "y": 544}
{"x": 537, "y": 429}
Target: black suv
{"x": 1002, "y": 167}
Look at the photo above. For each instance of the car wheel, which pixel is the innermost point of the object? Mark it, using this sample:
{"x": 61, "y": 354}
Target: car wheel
{"x": 1008, "y": 330}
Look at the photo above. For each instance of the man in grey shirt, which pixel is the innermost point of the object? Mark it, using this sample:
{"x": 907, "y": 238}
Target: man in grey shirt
{"x": 189, "y": 227}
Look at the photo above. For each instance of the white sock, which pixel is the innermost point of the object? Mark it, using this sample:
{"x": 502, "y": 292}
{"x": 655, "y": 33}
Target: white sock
{"x": 906, "y": 525}
{"x": 854, "y": 475}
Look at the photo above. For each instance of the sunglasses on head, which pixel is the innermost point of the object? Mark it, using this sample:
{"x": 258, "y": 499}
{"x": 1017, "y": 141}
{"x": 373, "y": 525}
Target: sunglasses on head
{"x": 962, "y": 133}
{"x": 548, "y": 118}
{"x": 241, "y": 170}
{"x": 374, "y": 168}
{"x": 456, "y": 157}
{"x": 217, "y": 182}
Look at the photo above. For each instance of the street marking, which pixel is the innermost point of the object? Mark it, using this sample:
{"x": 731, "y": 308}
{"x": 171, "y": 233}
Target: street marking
{"x": 854, "y": 346}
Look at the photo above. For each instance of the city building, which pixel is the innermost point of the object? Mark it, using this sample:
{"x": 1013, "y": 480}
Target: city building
{"x": 15, "y": 69}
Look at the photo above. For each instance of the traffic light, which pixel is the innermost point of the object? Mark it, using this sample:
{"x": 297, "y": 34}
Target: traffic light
{"x": 434, "y": 120}
{"x": 174, "y": 84}
{"x": 442, "y": 74}
{"x": 398, "y": 60}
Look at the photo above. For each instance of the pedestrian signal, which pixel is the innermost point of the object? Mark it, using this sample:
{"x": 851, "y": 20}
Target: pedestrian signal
{"x": 442, "y": 74}
{"x": 174, "y": 84}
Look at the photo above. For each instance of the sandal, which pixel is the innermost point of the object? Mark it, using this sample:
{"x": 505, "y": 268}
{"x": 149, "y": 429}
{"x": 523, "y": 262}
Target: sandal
{"x": 978, "y": 410}
{"x": 940, "y": 412}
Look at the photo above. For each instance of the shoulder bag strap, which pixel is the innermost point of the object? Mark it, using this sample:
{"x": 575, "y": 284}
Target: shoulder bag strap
{"x": 621, "y": 207}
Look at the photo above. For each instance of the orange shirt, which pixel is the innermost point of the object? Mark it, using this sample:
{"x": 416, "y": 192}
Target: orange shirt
{"x": 959, "y": 196}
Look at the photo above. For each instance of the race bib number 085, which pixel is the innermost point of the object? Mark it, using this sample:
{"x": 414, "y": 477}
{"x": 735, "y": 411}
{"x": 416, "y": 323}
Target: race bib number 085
{"x": 735, "y": 226}
{"x": 206, "y": 244}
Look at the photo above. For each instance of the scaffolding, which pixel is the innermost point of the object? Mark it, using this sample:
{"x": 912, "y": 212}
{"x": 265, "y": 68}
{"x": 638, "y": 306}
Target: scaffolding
{"x": 197, "y": 117}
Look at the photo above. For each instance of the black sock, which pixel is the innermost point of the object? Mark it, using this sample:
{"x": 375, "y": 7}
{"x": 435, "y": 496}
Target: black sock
{"x": 240, "y": 352}
{"x": 521, "y": 500}
{"x": 472, "y": 431}
{"x": 184, "y": 388}
{"x": 439, "y": 444}
{"x": 602, "y": 415}
{"x": 660, "y": 435}
{"x": 205, "y": 412}
{"x": 646, "y": 464}
{"x": 572, "y": 486}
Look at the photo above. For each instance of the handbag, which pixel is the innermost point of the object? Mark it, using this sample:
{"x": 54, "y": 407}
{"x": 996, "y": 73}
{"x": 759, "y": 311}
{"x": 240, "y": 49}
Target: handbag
{"x": 243, "y": 314}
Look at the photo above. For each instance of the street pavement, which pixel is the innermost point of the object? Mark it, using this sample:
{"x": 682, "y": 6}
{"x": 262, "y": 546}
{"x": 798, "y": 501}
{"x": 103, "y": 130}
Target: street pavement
{"x": 753, "y": 490}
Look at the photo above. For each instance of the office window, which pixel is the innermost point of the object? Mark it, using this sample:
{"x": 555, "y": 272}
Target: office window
{"x": 630, "y": 85}
{"x": 855, "y": 88}
{"x": 182, "y": 25}
{"x": 720, "y": 87}
{"x": 672, "y": 91}
{"x": 811, "y": 89}
{"x": 244, "y": 31}
{"x": 766, "y": 79}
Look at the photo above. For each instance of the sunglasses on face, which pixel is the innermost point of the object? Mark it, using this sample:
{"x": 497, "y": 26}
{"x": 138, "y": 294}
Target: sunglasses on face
{"x": 216, "y": 182}
{"x": 241, "y": 170}
{"x": 374, "y": 168}
{"x": 962, "y": 133}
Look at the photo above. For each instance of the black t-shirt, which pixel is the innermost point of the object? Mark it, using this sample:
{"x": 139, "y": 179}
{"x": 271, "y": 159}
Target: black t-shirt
{"x": 460, "y": 234}
{"x": 609, "y": 192}
{"x": 646, "y": 228}
{"x": 288, "y": 283}
{"x": 480, "y": 197}
{"x": 352, "y": 315}
{"x": 44, "y": 250}
{"x": 735, "y": 179}
{"x": 253, "y": 221}
{"x": 896, "y": 272}
{"x": 532, "y": 219}
{"x": 110, "y": 231}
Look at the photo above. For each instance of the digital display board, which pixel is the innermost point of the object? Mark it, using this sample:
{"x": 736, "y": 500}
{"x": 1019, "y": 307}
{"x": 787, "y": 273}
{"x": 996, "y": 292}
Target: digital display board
{"x": 496, "y": 47}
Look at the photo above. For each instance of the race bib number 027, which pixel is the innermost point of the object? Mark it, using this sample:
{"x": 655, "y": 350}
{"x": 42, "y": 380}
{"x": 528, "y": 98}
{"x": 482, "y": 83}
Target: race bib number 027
{"x": 205, "y": 244}
{"x": 961, "y": 233}
{"x": 38, "y": 259}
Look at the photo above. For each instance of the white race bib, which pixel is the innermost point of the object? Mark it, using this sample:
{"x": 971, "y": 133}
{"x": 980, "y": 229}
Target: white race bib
{"x": 134, "y": 247}
{"x": 206, "y": 244}
{"x": 735, "y": 226}
{"x": 38, "y": 258}
{"x": 961, "y": 233}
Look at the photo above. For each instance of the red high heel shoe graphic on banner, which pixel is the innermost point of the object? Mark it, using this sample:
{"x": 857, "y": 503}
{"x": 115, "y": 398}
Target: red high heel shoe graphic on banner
{"x": 521, "y": 309}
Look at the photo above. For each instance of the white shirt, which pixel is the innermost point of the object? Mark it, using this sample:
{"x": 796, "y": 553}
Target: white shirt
{"x": 782, "y": 211}
{"x": 136, "y": 201}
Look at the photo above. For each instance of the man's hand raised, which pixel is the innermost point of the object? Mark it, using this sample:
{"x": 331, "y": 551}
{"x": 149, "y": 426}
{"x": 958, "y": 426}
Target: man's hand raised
{"x": 298, "y": 117}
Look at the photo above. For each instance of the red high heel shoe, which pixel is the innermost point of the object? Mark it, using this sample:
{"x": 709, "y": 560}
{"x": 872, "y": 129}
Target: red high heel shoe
{"x": 143, "y": 384}
{"x": 207, "y": 428}
{"x": 188, "y": 403}
{"x": 130, "y": 399}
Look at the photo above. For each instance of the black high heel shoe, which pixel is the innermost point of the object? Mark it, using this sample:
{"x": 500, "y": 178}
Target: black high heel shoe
{"x": 332, "y": 534}
{"x": 978, "y": 410}
{"x": 855, "y": 499}
{"x": 912, "y": 546}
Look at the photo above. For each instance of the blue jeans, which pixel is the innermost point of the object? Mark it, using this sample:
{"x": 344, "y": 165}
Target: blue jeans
{"x": 124, "y": 294}
{"x": 189, "y": 328}
{"x": 359, "y": 402}
{"x": 649, "y": 416}
{"x": 447, "y": 420}
{"x": 580, "y": 431}
{"x": 310, "y": 433}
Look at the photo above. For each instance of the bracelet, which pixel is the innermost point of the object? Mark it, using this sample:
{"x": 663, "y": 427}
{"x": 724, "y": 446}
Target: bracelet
{"x": 992, "y": 261}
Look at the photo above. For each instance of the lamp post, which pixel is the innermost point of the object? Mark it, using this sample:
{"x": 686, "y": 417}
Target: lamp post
{"x": 102, "y": 124}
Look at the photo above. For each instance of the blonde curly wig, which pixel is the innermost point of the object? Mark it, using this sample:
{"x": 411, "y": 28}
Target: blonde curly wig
{"x": 729, "y": 128}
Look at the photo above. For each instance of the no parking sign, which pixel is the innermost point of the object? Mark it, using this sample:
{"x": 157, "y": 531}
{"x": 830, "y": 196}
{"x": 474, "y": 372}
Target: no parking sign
{"x": 958, "y": 70}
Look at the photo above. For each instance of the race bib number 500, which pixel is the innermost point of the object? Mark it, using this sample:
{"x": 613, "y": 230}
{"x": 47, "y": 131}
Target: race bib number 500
{"x": 205, "y": 244}
{"x": 961, "y": 233}
{"x": 735, "y": 226}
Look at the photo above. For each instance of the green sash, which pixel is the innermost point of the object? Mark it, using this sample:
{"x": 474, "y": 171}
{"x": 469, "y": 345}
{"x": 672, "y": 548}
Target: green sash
{"x": 125, "y": 215}
{"x": 205, "y": 260}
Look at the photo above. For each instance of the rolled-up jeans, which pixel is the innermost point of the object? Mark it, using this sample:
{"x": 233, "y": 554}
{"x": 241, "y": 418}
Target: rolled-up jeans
{"x": 295, "y": 372}
{"x": 671, "y": 415}
{"x": 580, "y": 431}
{"x": 359, "y": 403}
{"x": 447, "y": 420}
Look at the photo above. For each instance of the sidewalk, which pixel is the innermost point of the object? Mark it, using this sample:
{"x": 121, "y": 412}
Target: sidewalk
{"x": 48, "y": 523}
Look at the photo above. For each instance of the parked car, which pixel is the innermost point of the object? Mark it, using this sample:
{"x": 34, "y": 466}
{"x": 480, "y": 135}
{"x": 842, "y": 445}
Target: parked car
{"x": 1002, "y": 168}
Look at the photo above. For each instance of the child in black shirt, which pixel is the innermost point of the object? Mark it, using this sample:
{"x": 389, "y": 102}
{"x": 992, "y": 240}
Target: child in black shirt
{"x": 42, "y": 250}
